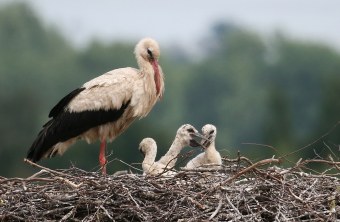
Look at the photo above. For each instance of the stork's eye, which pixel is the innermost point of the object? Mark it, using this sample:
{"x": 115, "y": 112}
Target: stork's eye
{"x": 211, "y": 132}
{"x": 191, "y": 130}
{"x": 150, "y": 53}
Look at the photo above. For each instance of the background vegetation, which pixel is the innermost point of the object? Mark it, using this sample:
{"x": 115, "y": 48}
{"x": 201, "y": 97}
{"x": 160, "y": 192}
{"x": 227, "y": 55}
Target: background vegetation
{"x": 277, "y": 91}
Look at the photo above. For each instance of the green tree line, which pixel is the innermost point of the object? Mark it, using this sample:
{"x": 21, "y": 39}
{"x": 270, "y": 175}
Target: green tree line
{"x": 278, "y": 92}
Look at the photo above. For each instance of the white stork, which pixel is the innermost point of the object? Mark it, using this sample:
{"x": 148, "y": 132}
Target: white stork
{"x": 210, "y": 156}
{"x": 104, "y": 107}
{"x": 186, "y": 136}
{"x": 148, "y": 148}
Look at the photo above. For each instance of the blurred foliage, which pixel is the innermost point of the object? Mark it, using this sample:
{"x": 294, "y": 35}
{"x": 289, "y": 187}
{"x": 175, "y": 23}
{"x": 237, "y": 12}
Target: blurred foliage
{"x": 279, "y": 92}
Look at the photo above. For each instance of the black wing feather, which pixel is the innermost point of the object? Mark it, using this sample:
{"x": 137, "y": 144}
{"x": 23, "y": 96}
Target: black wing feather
{"x": 67, "y": 125}
{"x": 64, "y": 102}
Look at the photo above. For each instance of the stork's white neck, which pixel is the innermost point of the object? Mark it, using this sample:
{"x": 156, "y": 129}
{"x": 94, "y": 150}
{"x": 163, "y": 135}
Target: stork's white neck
{"x": 211, "y": 147}
{"x": 169, "y": 158}
{"x": 149, "y": 160}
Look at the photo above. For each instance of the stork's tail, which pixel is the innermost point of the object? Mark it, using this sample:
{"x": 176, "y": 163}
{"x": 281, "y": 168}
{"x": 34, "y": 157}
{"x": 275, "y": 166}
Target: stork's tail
{"x": 42, "y": 145}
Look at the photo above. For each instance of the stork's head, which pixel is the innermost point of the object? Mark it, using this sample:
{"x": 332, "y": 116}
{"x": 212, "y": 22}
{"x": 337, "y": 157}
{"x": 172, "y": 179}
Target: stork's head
{"x": 147, "y": 53}
{"x": 148, "y": 50}
{"x": 209, "y": 131}
{"x": 147, "y": 145}
{"x": 188, "y": 135}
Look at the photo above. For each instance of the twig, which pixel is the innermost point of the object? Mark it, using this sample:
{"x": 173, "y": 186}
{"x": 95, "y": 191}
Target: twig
{"x": 296, "y": 197}
{"x": 217, "y": 209}
{"x": 198, "y": 204}
{"x": 129, "y": 165}
{"x": 315, "y": 141}
{"x": 45, "y": 168}
{"x": 106, "y": 212}
{"x": 16, "y": 179}
{"x": 56, "y": 210}
{"x": 332, "y": 163}
{"x": 167, "y": 169}
{"x": 301, "y": 163}
{"x": 232, "y": 205}
{"x": 330, "y": 150}
{"x": 68, "y": 215}
{"x": 309, "y": 188}
{"x": 68, "y": 182}
{"x": 37, "y": 174}
{"x": 238, "y": 159}
{"x": 202, "y": 169}
{"x": 257, "y": 164}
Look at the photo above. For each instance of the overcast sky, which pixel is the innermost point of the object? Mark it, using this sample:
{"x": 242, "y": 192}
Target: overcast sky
{"x": 187, "y": 21}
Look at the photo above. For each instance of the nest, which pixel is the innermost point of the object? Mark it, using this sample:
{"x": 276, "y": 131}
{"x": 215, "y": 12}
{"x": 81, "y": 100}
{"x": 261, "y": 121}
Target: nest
{"x": 239, "y": 191}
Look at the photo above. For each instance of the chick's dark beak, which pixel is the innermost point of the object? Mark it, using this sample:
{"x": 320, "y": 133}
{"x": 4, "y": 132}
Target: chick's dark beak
{"x": 197, "y": 140}
{"x": 206, "y": 142}
{"x": 140, "y": 150}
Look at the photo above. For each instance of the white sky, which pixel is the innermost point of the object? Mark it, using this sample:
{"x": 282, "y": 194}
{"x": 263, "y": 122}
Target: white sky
{"x": 188, "y": 21}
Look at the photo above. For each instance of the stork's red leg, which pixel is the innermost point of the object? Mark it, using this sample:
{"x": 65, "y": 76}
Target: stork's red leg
{"x": 102, "y": 159}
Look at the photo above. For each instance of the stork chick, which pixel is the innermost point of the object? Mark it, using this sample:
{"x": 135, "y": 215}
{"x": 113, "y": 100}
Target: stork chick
{"x": 148, "y": 148}
{"x": 104, "y": 107}
{"x": 186, "y": 136}
{"x": 210, "y": 156}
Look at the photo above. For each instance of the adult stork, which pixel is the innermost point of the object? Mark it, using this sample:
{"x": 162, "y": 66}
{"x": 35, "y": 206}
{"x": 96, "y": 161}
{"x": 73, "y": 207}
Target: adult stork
{"x": 210, "y": 156}
{"x": 186, "y": 136}
{"x": 103, "y": 107}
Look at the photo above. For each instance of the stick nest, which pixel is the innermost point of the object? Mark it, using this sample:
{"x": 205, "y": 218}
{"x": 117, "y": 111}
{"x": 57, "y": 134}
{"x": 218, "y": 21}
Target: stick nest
{"x": 240, "y": 191}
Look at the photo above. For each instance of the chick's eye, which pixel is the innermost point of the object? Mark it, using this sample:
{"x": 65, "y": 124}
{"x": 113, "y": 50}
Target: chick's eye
{"x": 191, "y": 130}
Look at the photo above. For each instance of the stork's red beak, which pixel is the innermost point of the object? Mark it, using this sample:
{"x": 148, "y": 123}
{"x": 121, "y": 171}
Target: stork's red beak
{"x": 154, "y": 63}
{"x": 157, "y": 75}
